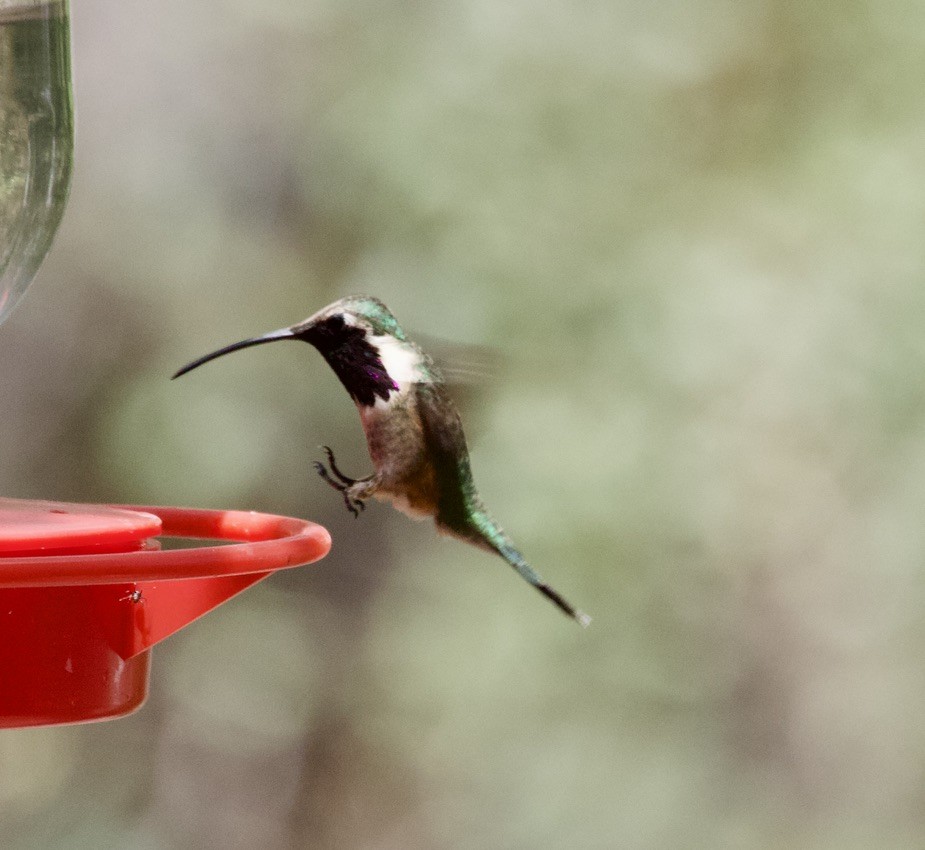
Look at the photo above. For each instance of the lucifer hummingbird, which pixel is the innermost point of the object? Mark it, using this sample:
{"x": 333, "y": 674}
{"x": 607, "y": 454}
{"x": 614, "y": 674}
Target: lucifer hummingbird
{"x": 412, "y": 428}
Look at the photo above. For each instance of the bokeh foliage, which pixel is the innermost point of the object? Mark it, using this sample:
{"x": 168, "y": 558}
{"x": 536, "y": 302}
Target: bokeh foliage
{"x": 695, "y": 232}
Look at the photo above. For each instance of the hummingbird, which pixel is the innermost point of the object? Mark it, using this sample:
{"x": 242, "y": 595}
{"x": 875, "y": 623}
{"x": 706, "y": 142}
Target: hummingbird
{"x": 412, "y": 427}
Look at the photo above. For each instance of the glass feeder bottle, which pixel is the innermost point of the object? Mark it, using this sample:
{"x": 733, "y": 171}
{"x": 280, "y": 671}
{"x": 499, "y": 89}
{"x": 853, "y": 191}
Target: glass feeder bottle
{"x": 36, "y": 137}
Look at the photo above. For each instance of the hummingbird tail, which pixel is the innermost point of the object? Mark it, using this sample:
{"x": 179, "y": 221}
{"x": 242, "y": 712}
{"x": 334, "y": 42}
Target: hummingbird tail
{"x": 517, "y": 561}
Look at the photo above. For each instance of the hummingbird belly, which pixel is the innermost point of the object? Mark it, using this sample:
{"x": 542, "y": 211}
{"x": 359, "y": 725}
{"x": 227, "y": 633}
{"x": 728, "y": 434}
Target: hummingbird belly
{"x": 416, "y": 498}
{"x": 395, "y": 439}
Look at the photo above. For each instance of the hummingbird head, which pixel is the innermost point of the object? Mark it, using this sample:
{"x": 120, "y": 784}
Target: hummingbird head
{"x": 358, "y": 337}
{"x": 358, "y": 311}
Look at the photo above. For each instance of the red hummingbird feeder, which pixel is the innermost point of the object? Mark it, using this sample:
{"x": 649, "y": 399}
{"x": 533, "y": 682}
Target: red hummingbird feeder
{"x": 87, "y": 590}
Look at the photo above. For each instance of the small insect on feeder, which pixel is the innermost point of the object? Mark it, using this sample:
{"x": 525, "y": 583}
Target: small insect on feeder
{"x": 87, "y": 590}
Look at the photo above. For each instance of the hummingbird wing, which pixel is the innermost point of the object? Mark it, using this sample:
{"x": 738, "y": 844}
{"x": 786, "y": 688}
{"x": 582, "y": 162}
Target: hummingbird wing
{"x": 446, "y": 447}
{"x": 461, "y": 361}
{"x": 468, "y": 372}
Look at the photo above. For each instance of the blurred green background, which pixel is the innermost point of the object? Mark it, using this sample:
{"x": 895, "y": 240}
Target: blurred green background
{"x": 693, "y": 230}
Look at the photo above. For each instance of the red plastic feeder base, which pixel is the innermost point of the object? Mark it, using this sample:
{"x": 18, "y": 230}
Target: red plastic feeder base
{"x": 86, "y": 591}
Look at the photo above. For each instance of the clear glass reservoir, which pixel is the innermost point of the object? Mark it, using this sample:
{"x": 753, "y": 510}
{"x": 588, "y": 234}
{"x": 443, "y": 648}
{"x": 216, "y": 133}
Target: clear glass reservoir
{"x": 36, "y": 137}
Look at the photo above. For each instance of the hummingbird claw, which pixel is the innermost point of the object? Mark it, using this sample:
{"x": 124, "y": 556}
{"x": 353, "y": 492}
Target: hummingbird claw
{"x": 351, "y": 507}
{"x": 326, "y": 477}
{"x": 344, "y": 479}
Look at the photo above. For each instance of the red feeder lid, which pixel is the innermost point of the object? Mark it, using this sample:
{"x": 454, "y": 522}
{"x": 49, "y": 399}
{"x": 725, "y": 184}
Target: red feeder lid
{"x": 35, "y": 527}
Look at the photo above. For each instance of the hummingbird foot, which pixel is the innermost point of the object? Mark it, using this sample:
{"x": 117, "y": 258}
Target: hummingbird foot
{"x": 353, "y": 505}
{"x": 344, "y": 479}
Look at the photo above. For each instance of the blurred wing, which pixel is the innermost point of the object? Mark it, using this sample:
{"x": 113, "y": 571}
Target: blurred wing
{"x": 468, "y": 371}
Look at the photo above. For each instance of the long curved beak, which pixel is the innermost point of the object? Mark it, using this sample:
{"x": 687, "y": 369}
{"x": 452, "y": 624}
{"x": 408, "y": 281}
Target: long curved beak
{"x": 284, "y": 333}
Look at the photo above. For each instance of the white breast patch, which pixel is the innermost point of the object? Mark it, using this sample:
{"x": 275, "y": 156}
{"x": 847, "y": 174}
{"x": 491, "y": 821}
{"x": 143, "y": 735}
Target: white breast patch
{"x": 401, "y": 361}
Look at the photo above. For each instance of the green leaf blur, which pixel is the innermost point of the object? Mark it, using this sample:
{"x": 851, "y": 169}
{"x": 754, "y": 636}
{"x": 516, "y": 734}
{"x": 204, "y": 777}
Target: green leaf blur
{"x": 694, "y": 231}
